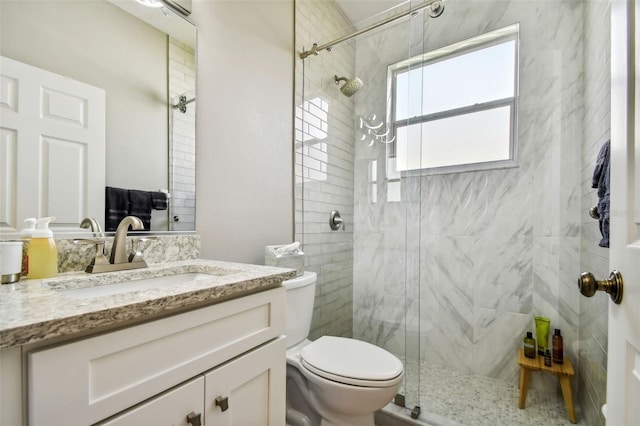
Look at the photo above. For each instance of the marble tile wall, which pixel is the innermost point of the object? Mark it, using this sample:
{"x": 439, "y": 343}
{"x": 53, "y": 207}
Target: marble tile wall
{"x": 592, "y": 353}
{"x": 478, "y": 254}
{"x": 324, "y": 138}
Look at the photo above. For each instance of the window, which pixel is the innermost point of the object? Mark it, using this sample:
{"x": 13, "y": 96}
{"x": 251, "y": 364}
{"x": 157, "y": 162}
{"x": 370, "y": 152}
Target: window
{"x": 454, "y": 109}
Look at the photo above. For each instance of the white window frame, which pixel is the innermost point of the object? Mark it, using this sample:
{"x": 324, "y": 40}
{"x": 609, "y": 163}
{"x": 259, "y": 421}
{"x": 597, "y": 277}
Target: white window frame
{"x": 480, "y": 42}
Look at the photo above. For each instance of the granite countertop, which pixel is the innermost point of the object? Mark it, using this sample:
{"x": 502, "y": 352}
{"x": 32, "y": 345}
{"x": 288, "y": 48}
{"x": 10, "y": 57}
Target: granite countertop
{"x": 35, "y": 310}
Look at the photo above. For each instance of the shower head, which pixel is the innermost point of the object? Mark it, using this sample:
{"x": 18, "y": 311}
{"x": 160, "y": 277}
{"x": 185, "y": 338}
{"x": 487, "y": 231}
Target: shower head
{"x": 350, "y": 87}
{"x": 435, "y": 9}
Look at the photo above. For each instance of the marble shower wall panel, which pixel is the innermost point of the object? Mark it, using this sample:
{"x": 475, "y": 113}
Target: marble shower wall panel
{"x": 499, "y": 246}
{"x": 324, "y": 164}
{"x": 593, "y": 317}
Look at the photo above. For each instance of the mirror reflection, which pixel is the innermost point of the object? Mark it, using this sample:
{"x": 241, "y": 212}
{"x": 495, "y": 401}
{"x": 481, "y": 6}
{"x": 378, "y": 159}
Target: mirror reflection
{"x": 142, "y": 60}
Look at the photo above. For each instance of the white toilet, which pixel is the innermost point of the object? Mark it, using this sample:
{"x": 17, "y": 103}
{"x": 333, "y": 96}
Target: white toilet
{"x": 332, "y": 380}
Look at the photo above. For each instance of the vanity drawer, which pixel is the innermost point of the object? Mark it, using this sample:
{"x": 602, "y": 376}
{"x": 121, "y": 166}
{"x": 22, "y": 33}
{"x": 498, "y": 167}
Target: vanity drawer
{"x": 88, "y": 380}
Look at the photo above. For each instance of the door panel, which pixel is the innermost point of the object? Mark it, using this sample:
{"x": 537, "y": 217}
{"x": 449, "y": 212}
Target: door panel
{"x": 53, "y": 147}
{"x": 623, "y": 368}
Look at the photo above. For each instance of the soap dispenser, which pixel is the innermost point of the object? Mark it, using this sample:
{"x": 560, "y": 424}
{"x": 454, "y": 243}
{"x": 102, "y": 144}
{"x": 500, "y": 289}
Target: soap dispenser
{"x": 42, "y": 252}
{"x": 28, "y": 227}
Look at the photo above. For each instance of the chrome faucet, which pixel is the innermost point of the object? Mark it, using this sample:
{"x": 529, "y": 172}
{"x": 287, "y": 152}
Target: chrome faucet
{"x": 93, "y": 225}
{"x": 96, "y": 230}
{"x": 119, "y": 259}
{"x": 119, "y": 249}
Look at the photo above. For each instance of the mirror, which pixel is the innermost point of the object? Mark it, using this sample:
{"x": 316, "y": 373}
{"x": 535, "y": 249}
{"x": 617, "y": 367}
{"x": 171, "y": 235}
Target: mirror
{"x": 144, "y": 60}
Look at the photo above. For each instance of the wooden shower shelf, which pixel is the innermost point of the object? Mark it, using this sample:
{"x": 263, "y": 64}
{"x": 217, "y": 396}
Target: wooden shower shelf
{"x": 563, "y": 371}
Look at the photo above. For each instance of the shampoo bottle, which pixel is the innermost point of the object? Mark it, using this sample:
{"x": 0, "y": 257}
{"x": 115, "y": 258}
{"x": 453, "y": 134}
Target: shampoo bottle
{"x": 529, "y": 346}
{"x": 557, "y": 345}
{"x": 42, "y": 252}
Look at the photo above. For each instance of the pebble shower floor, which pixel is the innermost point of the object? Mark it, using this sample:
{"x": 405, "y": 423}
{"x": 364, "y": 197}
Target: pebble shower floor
{"x": 452, "y": 398}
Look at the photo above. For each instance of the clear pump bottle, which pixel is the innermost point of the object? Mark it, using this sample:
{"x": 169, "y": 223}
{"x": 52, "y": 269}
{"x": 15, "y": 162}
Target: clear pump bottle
{"x": 42, "y": 252}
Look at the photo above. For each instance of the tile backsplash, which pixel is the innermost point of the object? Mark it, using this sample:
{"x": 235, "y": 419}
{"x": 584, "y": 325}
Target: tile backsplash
{"x": 167, "y": 248}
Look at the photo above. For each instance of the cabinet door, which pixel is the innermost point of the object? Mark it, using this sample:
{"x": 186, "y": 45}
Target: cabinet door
{"x": 250, "y": 390}
{"x": 170, "y": 408}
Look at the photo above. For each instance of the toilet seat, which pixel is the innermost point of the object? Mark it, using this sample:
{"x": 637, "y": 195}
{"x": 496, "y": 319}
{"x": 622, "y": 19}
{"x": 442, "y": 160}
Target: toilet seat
{"x": 351, "y": 362}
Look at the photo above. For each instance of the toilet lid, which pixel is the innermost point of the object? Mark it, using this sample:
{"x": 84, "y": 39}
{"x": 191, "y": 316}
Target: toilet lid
{"x": 350, "y": 361}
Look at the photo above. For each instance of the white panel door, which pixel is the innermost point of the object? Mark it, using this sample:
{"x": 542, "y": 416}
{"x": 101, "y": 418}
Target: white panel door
{"x": 52, "y": 147}
{"x": 623, "y": 367}
{"x": 248, "y": 391}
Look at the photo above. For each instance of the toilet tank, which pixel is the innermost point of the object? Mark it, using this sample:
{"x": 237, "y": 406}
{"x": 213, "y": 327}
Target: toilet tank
{"x": 301, "y": 292}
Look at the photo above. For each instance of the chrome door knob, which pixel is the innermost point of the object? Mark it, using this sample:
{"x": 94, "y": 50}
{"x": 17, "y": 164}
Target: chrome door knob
{"x": 588, "y": 285}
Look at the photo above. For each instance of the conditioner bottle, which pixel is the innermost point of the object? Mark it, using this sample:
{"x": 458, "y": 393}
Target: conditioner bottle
{"x": 42, "y": 252}
{"x": 557, "y": 345}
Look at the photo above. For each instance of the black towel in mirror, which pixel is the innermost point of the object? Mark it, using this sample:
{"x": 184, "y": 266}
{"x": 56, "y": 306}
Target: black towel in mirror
{"x": 140, "y": 205}
{"x": 159, "y": 200}
{"x": 116, "y": 207}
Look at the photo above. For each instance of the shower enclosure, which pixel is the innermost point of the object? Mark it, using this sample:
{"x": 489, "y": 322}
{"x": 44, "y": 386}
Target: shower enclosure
{"x": 458, "y": 165}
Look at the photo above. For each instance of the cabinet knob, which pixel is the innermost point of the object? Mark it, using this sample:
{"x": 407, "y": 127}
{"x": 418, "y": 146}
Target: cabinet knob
{"x": 223, "y": 403}
{"x": 194, "y": 419}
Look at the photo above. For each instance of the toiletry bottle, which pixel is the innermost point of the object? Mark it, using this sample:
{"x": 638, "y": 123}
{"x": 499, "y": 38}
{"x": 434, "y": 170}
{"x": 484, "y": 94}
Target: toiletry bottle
{"x": 529, "y": 346}
{"x": 558, "y": 351}
{"x": 28, "y": 226}
{"x": 542, "y": 331}
{"x": 42, "y": 252}
{"x": 547, "y": 358}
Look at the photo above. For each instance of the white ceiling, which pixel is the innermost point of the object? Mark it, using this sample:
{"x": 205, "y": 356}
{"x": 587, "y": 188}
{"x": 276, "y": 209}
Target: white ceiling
{"x": 359, "y": 10}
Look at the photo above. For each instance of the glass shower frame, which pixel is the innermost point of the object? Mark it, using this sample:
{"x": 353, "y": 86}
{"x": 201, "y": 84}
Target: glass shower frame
{"x": 444, "y": 278}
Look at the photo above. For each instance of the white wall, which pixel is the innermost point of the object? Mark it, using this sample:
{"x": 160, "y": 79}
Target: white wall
{"x": 244, "y": 197}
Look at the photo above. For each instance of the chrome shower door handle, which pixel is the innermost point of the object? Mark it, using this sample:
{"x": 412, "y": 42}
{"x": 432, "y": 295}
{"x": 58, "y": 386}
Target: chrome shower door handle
{"x": 335, "y": 221}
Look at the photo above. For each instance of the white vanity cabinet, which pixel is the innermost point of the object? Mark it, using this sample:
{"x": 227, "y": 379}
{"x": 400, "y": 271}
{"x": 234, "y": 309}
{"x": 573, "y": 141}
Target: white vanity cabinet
{"x": 160, "y": 371}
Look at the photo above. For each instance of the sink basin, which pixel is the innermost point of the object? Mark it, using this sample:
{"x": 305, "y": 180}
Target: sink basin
{"x": 129, "y": 286}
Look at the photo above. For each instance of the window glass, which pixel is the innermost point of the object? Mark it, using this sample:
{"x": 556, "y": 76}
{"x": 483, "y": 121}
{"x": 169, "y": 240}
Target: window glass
{"x": 456, "y": 106}
{"x": 447, "y": 142}
{"x": 473, "y": 78}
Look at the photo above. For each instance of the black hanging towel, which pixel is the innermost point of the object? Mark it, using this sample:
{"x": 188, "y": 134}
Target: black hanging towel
{"x": 116, "y": 207}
